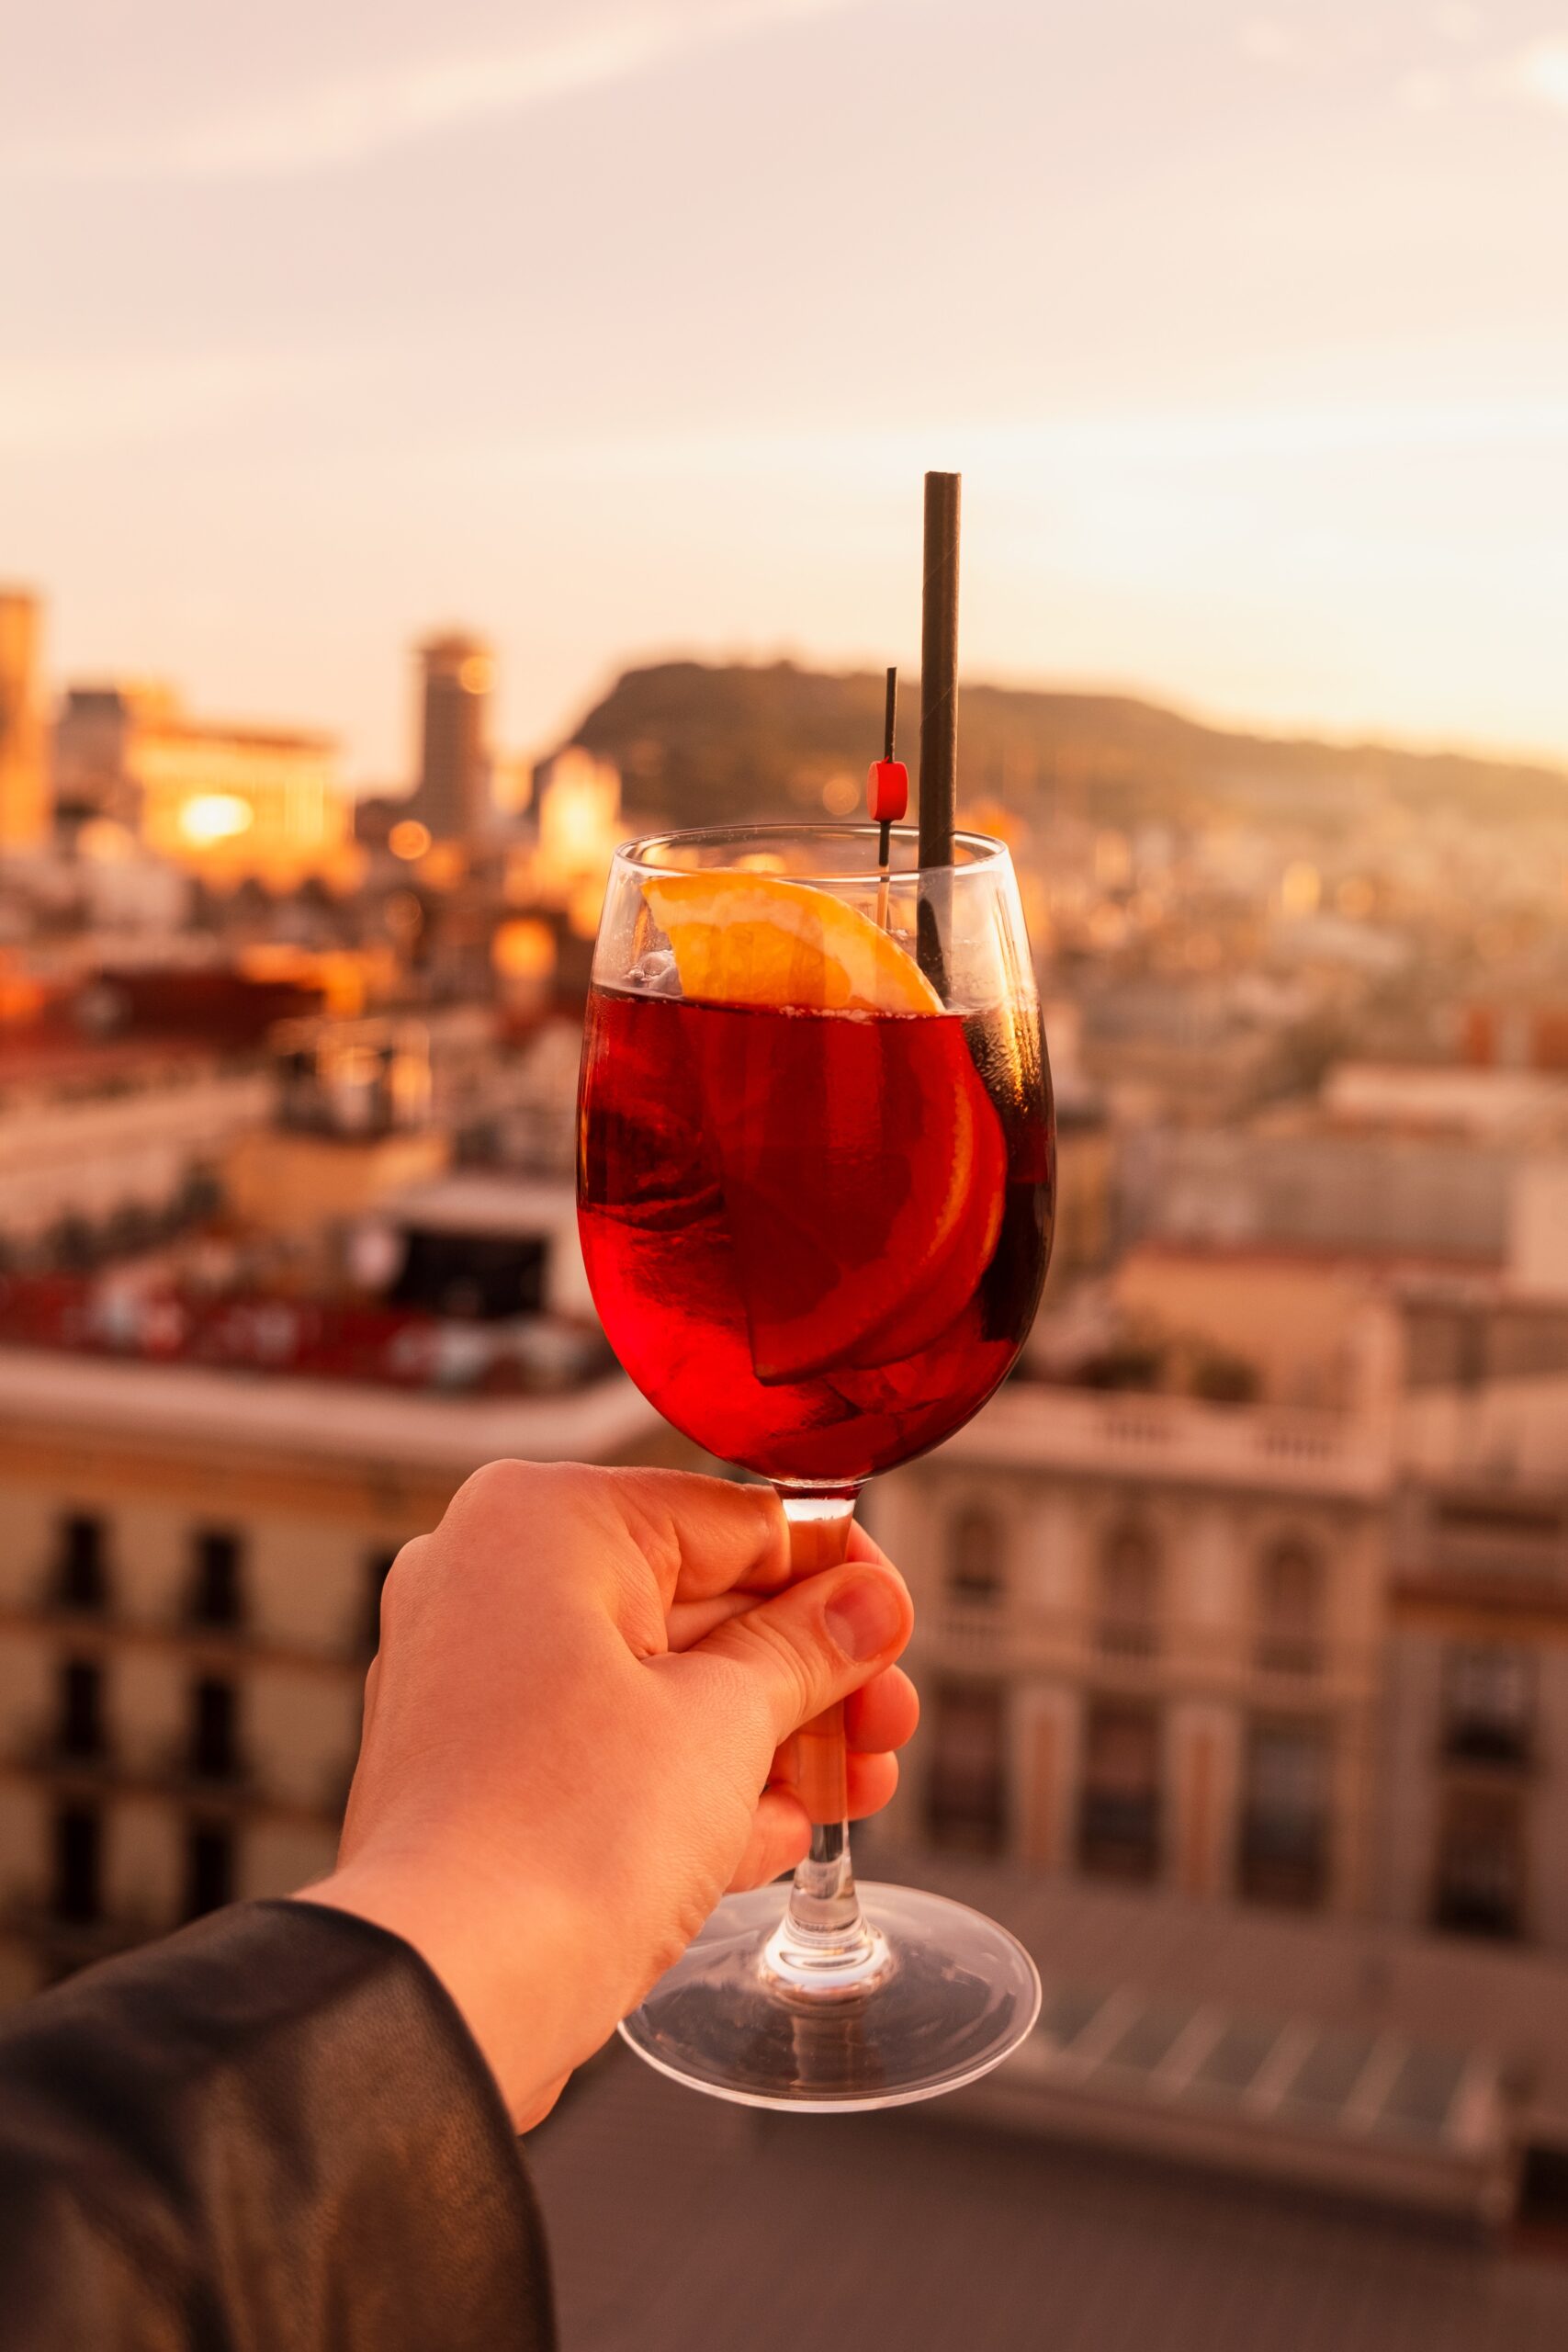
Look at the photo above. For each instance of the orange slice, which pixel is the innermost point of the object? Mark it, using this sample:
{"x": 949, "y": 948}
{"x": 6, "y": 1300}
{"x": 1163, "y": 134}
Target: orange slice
{"x": 753, "y": 939}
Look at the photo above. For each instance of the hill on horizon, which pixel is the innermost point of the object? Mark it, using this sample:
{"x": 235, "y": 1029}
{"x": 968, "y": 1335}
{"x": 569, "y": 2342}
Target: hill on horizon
{"x": 710, "y": 743}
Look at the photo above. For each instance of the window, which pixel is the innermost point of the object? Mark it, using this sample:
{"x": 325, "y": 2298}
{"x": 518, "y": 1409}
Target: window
{"x": 1289, "y": 1610}
{"x": 1128, "y": 1599}
{"x": 378, "y": 1567}
{"x": 214, "y": 1753}
{"x": 974, "y": 1558}
{"x": 966, "y": 1783}
{"x": 473, "y": 1274}
{"x": 216, "y": 1597}
{"x": 1481, "y": 1865}
{"x": 209, "y": 1868}
{"x": 81, "y": 1576}
{"x": 1284, "y": 1820}
{"x": 1488, "y": 1705}
{"x": 77, "y": 1891}
{"x": 79, "y": 1716}
{"x": 1119, "y": 1804}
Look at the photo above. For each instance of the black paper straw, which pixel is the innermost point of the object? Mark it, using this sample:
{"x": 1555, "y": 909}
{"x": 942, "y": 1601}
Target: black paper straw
{"x": 889, "y": 733}
{"x": 939, "y": 719}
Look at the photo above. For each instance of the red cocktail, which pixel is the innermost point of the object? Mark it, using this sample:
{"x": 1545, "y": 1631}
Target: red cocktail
{"x": 816, "y": 1237}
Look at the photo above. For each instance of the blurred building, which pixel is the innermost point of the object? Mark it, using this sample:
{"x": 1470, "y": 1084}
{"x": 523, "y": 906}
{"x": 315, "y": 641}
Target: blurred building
{"x": 191, "y": 1567}
{"x": 24, "y": 777}
{"x": 563, "y": 868}
{"x": 229, "y": 804}
{"x": 1149, "y": 1638}
{"x": 1280, "y": 1613}
{"x": 580, "y": 815}
{"x": 114, "y": 1164}
{"x": 452, "y": 798}
{"x": 351, "y": 1124}
{"x": 1477, "y": 1771}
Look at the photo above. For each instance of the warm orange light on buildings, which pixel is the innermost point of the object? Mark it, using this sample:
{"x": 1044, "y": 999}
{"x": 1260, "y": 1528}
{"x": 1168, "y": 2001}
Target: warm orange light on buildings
{"x": 585, "y": 906}
{"x": 523, "y": 950}
{"x": 237, "y": 804}
{"x": 214, "y": 817}
{"x": 409, "y": 839}
{"x": 445, "y": 865}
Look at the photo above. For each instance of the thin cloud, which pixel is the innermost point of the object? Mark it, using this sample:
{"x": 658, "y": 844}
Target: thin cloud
{"x": 112, "y": 401}
{"x": 1195, "y": 440}
{"x": 353, "y": 123}
{"x": 1271, "y": 42}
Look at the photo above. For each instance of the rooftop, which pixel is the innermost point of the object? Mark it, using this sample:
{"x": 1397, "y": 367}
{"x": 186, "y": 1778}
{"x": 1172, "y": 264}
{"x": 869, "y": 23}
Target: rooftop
{"x": 193, "y": 1406}
{"x": 1350, "y": 1976}
{"x": 679, "y": 2223}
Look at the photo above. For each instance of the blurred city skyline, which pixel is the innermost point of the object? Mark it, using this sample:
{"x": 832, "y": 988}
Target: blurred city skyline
{"x": 630, "y": 332}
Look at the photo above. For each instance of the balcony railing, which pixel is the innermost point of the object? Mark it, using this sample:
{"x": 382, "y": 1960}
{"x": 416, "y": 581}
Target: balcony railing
{"x": 186, "y": 1770}
{"x": 1178, "y": 1439}
{"x": 66, "y": 1943}
{"x": 40, "y": 1747}
{"x": 177, "y": 1628}
{"x": 1278, "y": 1670}
{"x": 177, "y": 1772}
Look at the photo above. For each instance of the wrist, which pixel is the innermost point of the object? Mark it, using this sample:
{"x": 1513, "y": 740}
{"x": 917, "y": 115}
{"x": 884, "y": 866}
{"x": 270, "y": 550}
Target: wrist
{"x": 513, "y": 1971}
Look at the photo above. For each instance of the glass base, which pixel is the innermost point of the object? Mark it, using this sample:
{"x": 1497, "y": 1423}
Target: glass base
{"x": 947, "y": 1996}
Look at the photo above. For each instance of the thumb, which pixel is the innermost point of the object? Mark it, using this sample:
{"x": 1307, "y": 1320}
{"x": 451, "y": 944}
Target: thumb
{"x": 811, "y": 1644}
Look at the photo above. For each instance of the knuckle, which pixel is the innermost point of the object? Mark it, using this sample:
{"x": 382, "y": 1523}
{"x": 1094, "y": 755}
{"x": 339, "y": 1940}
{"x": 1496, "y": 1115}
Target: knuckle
{"x": 498, "y": 1486}
{"x": 398, "y": 1582}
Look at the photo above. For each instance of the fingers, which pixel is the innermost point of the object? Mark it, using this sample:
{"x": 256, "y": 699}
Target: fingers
{"x": 692, "y": 1620}
{"x": 700, "y": 1536}
{"x": 781, "y": 1835}
{"x": 805, "y": 1649}
{"x": 869, "y": 1781}
{"x": 780, "y": 1829}
{"x": 883, "y": 1714}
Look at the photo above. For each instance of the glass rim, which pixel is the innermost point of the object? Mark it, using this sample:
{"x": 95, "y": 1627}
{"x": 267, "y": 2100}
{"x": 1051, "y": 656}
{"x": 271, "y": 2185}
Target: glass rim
{"x": 984, "y": 852}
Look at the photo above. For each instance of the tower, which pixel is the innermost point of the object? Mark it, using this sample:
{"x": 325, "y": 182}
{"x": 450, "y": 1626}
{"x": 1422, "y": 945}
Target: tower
{"x": 24, "y": 784}
{"x": 453, "y": 796}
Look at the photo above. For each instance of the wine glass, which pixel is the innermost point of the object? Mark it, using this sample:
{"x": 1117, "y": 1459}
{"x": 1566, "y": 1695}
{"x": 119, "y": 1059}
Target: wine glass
{"x": 815, "y": 1186}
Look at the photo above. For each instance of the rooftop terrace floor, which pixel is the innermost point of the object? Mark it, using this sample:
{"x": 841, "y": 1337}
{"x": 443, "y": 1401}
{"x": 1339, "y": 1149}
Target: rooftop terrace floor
{"x": 683, "y": 2225}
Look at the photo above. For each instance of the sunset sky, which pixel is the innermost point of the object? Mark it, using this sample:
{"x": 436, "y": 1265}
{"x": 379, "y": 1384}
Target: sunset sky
{"x": 618, "y": 329}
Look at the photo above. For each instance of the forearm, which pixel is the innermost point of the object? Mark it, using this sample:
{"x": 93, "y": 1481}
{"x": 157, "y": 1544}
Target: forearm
{"x": 274, "y": 2126}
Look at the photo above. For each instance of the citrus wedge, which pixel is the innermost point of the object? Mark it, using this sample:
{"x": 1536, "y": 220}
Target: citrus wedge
{"x": 862, "y": 1162}
{"x": 753, "y": 939}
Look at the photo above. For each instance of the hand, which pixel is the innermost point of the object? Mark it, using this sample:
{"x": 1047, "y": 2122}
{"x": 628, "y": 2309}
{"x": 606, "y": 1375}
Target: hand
{"x": 577, "y": 1738}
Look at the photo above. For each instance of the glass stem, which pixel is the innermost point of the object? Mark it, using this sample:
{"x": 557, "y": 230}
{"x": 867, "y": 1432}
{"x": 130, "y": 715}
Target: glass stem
{"x": 823, "y": 1934}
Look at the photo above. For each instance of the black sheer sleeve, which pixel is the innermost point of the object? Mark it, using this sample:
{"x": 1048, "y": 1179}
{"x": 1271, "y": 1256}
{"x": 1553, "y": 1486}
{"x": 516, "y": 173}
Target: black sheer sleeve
{"x": 271, "y": 2134}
